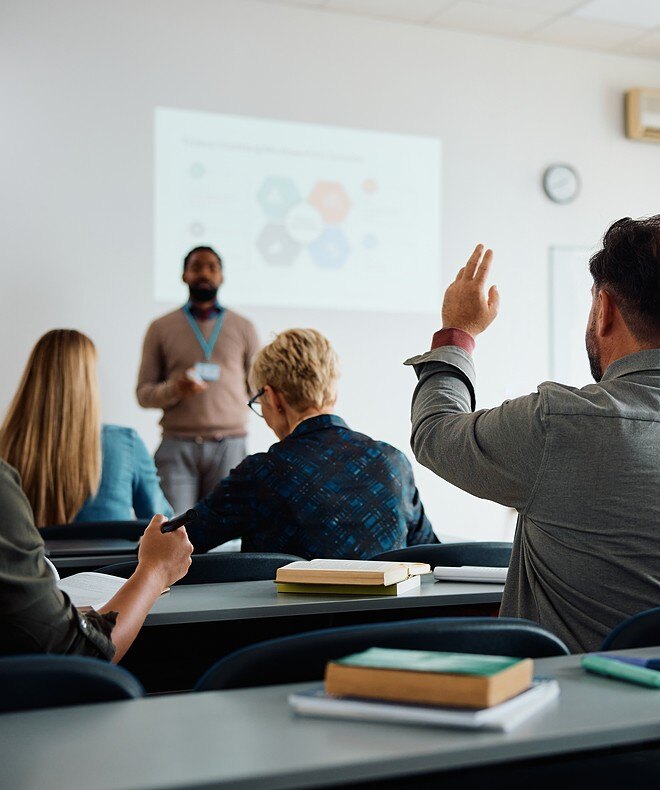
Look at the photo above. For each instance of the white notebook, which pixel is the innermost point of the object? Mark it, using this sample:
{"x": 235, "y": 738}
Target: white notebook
{"x": 470, "y": 573}
{"x": 503, "y": 717}
{"x": 91, "y": 589}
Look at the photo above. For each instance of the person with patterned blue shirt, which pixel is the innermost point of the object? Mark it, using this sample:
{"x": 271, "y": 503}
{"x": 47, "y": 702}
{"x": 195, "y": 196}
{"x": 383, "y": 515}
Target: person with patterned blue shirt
{"x": 323, "y": 490}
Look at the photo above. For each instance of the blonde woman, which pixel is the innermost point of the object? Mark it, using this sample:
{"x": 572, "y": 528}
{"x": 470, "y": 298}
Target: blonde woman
{"x": 72, "y": 468}
{"x": 323, "y": 490}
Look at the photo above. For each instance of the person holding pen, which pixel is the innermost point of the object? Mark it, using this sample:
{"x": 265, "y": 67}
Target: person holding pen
{"x": 36, "y": 617}
{"x": 322, "y": 490}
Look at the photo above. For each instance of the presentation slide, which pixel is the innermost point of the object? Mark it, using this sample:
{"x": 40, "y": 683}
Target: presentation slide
{"x": 302, "y": 215}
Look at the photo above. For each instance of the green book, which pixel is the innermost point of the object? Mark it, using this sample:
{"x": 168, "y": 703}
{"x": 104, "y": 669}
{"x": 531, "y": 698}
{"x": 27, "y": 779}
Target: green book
{"x": 429, "y": 661}
{"x": 428, "y": 677}
{"x": 611, "y": 667}
{"x": 412, "y": 583}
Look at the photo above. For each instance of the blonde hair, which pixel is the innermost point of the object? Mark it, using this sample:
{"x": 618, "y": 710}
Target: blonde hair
{"x": 51, "y": 433}
{"x": 302, "y": 365}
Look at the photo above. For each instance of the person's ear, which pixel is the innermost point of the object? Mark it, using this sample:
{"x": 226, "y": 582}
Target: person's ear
{"x": 222, "y": 276}
{"x": 607, "y": 311}
{"x": 275, "y": 400}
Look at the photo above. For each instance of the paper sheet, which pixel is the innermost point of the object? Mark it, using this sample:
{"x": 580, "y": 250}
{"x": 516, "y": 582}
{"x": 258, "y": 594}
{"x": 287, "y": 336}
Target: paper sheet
{"x": 90, "y": 588}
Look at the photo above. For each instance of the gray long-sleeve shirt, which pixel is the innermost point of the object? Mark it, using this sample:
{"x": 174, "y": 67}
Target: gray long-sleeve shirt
{"x": 35, "y": 616}
{"x": 581, "y": 467}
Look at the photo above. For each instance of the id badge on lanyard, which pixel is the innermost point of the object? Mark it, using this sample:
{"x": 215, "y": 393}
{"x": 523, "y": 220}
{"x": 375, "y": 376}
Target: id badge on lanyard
{"x": 207, "y": 370}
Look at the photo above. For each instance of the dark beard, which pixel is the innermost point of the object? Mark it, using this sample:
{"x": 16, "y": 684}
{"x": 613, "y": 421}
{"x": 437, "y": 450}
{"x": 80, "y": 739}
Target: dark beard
{"x": 203, "y": 294}
{"x": 592, "y": 352}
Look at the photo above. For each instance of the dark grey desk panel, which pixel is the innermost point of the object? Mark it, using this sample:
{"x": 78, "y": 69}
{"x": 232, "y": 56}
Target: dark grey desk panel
{"x": 87, "y": 548}
{"x": 250, "y": 739}
{"x": 91, "y": 561}
{"x": 247, "y": 600}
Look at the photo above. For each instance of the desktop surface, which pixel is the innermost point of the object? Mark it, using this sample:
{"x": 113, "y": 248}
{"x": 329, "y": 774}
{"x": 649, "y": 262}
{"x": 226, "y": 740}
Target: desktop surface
{"x": 249, "y": 738}
{"x": 250, "y": 600}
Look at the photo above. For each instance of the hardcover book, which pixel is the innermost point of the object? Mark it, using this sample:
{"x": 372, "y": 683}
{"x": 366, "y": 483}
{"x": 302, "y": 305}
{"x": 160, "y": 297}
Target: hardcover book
{"x": 349, "y": 572}
{"x": 406, "y": 585}
{"x": 434, "y": 678}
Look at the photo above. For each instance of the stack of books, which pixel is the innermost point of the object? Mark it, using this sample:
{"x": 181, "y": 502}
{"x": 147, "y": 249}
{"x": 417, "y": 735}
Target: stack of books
{"x": 425, "y": 687}
{"x": 349, "y": 577}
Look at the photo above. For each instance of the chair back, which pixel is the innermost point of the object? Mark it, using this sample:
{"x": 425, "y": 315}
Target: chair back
{"x": 293, "y": 659}
{"x": 226, "y": 566}
{"x": 28, "y": 682}
{"x": 492, "y": 554}
{"x": 96, "y": 530}
{"x": 640, "y": 630}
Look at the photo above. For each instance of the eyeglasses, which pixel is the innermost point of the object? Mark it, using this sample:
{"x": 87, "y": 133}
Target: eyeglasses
{"x": 254, "y": 404}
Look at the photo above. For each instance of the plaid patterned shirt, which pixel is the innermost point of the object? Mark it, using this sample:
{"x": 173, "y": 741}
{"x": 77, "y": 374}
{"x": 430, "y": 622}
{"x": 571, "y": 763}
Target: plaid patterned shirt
{"x": 323, "y": 491}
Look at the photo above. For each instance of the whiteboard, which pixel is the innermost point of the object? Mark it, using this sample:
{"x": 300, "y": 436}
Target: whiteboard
{"x": 570, "y": 302}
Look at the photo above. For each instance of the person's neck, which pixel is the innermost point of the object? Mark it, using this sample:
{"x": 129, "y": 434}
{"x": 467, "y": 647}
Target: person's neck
{"x": 297, "y": 417}
{"x": 203, "y": 305}
{"x": 622, "y": 347}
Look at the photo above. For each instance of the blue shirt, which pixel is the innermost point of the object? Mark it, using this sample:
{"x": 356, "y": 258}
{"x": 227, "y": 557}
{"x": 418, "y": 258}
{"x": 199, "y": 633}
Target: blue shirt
{"x": 323, "y": 491}
{"x": 129, "y": 487}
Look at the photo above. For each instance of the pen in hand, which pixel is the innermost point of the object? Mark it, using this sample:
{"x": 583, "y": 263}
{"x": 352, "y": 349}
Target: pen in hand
{"x": 179, "y": 521}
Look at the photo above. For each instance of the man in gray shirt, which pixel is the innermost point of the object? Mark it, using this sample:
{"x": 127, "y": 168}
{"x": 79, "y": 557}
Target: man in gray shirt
{"x": 581, "y": 466}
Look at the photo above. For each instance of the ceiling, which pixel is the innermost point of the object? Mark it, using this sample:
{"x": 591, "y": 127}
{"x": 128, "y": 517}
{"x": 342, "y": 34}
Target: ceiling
{"x": 630, "y": 27}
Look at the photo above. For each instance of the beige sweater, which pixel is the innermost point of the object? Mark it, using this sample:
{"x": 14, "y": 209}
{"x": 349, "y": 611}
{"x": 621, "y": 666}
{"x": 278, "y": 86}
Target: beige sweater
{"x": 170, "y": 348}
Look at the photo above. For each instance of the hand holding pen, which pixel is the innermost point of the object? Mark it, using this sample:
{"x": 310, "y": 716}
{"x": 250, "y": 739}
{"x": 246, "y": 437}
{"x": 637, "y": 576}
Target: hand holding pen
{"x": 179, "y": 521}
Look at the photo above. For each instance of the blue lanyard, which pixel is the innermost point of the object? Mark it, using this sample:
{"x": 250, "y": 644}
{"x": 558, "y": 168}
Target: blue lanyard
{"x": 207, "y": 345}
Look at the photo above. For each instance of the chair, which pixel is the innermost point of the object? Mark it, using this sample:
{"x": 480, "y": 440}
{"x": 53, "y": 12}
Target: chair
{"x": 303, "y": 657}
{"x": 640, "y": 630}
{"x": 492, "y": 554}
{"x": 230, "y": 566}
{"x": 28, "y": 682}
{"x": 96, "y": 530}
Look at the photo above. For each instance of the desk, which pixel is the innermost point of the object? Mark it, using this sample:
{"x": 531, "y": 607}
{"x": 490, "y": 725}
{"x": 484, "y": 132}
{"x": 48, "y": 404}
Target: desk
{"x": 195, "y": 625}
{"x": 249, "y": 738}
{"x": 196, "y": 603}
{"x": 74, "y": 556}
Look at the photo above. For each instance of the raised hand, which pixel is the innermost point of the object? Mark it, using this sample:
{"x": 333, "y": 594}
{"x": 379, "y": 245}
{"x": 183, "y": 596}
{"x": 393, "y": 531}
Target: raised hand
{"x": 466, "y": 305}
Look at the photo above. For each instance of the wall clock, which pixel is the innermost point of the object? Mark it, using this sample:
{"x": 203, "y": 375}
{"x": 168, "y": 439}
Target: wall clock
{"x": 561, "y": 183}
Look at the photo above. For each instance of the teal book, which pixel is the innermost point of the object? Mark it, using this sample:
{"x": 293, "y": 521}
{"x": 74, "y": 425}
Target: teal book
{"x": 428, "y": 677}
{"x": 429, "y": 661}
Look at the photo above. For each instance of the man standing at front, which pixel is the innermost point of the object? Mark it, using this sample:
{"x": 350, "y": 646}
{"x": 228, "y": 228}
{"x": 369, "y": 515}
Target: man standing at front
{"x": 581, "y": 466}
{"x": 195, "y": 362}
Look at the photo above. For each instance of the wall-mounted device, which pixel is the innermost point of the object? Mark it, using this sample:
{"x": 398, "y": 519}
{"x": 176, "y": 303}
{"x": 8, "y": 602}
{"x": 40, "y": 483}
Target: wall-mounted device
{"x": 561, "y": 183}
{"x": 643, "y": 114}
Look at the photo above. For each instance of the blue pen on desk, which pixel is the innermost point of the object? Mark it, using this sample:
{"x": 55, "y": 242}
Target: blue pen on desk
{"x": 179, "y": 521}
{"x": 653, "y": 662}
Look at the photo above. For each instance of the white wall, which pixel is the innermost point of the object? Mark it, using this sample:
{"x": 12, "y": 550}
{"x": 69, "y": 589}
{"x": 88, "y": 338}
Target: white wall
{"x": 79, "y": 81}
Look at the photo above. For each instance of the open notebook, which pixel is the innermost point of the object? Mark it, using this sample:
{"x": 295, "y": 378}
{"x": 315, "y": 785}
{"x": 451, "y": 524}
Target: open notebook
{"x": 92, "y": 589}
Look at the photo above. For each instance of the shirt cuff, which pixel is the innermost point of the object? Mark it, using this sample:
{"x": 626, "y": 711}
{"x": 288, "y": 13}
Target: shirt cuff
{"x": 453, "y": 337}
{"x": 97, "y": 629}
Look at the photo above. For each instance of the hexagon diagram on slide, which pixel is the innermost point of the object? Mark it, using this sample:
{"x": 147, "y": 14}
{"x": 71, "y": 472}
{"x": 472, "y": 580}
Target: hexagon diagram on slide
{"x": 330, "y": 198}
{"x": 277, "y": 195}
{"x": 276, "y": 246}
{"x": 331, "y": 249}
